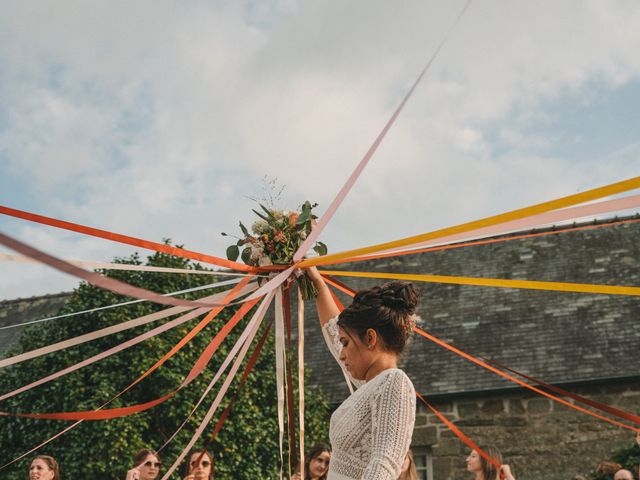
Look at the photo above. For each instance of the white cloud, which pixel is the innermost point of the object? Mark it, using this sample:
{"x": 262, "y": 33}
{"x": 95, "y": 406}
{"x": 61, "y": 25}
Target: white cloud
{"x": 157, "y": 121}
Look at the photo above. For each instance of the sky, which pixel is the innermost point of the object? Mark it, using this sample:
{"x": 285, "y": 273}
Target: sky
{"x": 160, "y": 119}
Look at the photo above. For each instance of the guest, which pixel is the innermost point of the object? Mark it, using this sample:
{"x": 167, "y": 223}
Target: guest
{"x": 44, "y": 467}
{"x": 146, "y": 465}
{"x": 316, "y": 463}
{"x": 484, "y": 470}
{"x": 200, "y": 466}
{"x": 623, "y": 474}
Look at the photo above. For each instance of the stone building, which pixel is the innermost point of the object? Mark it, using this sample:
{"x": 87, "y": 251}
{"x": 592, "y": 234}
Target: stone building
{"x": 589, "y": 344}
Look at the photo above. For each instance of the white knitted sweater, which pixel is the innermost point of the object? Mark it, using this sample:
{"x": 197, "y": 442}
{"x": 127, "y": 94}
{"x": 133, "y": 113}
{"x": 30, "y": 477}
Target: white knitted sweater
{"x": 371, "y": 431}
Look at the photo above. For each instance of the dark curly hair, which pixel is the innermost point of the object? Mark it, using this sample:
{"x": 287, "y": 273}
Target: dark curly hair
{"x": 387, "y": 309}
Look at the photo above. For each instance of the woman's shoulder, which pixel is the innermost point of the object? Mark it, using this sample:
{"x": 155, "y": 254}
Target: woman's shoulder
{"x": 394, "y": 376}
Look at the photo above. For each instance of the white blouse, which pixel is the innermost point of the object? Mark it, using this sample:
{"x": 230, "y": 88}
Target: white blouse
{"x": 371, "y": 431}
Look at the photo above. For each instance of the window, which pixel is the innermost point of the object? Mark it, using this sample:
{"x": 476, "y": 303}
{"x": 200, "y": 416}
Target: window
{"x": 424, "y": 462}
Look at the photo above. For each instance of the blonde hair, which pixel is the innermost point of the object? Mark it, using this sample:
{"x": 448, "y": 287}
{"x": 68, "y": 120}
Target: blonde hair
{"x": 411, "y": 473}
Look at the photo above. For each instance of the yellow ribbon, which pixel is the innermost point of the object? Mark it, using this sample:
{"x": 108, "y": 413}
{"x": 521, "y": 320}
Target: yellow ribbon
{"x": 495, "y": 282}
{"x": 563, "y": 202}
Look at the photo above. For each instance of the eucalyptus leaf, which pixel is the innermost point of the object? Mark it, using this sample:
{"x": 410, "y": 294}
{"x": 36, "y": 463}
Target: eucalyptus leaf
{"x": 232, "y": 252}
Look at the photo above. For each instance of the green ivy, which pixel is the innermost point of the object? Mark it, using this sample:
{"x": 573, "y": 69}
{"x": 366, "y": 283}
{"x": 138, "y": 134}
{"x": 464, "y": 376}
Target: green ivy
{"x": 247, "y": 447}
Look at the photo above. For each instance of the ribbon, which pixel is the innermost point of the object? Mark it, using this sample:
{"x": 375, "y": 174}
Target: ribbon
{"x": 496, "y": 282}
{"x": 293, "y": 459}
{"x": 123, "y": 266}
{"x": 301, "y": 378}
{"x": 485, "y": 365}
{"x": 458, "y": 433}
{"x": 247, "y": 370}
{"x": 255, "y": 323}
{"x": 131, "y": 302}
{"x": 107, "y": 353}
{"x": 198, "y": 367}
{"x": 239, "y": 343}
{"x": 578, "y": 398}
{"x": 116, "y": 237}
{"x": 555, "y": 231}
{"x": 576, "y": 199}
{"x": 346, "y": 188}
{"x": 536, "y": 221}
{"x": 280, "y": 370}
{"x": 80, "y": 339}
{"x": 99, "y": 280}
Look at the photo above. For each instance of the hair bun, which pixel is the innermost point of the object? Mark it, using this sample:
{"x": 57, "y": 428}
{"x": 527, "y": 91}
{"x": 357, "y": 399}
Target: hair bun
{"x": 400, "y": 296}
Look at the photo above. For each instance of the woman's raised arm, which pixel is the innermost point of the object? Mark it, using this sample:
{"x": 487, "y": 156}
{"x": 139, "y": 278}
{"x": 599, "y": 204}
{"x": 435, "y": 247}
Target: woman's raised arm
{"x": 327, "y": 308}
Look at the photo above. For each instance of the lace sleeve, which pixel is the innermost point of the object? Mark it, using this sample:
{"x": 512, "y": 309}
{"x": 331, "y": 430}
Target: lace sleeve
{"x": 393, "y": 415}
{"x": 332, "y": 339}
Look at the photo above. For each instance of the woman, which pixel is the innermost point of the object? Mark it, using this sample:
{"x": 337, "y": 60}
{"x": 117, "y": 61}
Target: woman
{"x": 200, "y": 466}
{"x": 146, "y": 465}
{"x": 371, "y": 431}
{"x": 408, "y": 471}
{"x": 316, "y": 463}
{"x": 44, "y": 467}
{"x": 485, "y": 470}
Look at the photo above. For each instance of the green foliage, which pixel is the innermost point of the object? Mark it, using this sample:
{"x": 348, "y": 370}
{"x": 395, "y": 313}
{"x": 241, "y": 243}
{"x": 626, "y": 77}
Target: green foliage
{"x": 247, "y": 446}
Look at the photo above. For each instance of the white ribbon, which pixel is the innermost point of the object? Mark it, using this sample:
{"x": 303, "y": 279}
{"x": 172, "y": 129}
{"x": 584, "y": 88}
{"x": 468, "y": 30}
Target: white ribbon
{"x": 301, "y": 378}
{"x": 280, "y": 369}
{"x": 253, "y": 326}
{"x": 188, "y": 290}
{"x": 136, "y": 322}
{"x": 8, "y": 257}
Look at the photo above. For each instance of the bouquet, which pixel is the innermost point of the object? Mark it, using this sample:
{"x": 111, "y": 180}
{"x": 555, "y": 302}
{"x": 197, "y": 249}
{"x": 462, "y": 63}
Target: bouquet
{"x": 275, "y": 238}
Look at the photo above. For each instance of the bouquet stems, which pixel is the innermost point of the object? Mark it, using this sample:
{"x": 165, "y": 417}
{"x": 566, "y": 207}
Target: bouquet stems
{"x": 307, "y": 288}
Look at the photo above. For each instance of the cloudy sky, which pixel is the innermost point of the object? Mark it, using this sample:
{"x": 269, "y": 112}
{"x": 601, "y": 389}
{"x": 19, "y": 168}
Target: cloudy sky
{"x": 157, "y": 119}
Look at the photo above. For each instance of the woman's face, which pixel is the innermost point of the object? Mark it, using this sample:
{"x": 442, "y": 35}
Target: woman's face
{"x": 355, "y": 355}
{"x": 473, "y": 462}
{"x": 39, "y": 470}
{"x": 149, "y": 468}
{"x": 200, "y": 470}
{"x": 319, "y": 465}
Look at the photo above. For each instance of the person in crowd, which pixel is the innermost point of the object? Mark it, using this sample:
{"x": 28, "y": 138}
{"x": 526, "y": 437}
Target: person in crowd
{"x": 608, "y": 468}
{"x": 146, "y": 465}
{"x": 485, "y": 470}
{"x": 316, "y": 463}
{"x": 44, "y": 467}
{"x": 408, "y": 471}
{"x": 199, "y": 466}
{"x": 623, "y": 474}
{"x": 366, "y": 339}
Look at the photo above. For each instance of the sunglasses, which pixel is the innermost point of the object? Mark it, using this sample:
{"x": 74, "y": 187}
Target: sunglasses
{"x": 150, "y": 464}
{"x": 204, "y": 463}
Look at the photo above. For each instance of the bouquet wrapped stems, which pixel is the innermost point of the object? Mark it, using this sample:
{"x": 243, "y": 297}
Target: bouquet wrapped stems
{"x": 307, "y": 288}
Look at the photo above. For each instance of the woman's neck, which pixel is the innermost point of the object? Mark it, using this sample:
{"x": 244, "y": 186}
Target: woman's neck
{"x": 479, "y": 476}
{"x": 380, "y": 364}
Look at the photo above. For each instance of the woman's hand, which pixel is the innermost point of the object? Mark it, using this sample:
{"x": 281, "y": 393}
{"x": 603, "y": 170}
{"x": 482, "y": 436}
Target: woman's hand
{"x": 133, "y": 474}
{"x": 315, "y": 276}
{"x": 505, "y": 472}
{"x": 296, "y": 476}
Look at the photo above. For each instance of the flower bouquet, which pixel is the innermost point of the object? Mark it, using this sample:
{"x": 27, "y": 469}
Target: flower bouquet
{"x": 275, "y": 238}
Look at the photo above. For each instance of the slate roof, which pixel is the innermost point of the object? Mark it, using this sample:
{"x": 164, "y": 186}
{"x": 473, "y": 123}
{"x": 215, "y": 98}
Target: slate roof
{"x": 557, "y": 337}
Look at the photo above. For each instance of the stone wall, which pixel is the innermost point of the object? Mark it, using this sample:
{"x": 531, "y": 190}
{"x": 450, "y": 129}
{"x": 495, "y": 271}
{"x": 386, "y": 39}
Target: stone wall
{"x": 539, "y": 438}
{"x": 21, "y": 310}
